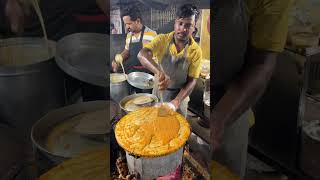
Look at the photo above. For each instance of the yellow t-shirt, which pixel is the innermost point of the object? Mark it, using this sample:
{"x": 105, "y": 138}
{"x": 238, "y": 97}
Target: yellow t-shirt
{"x": 268, "y": 27}
{"x": 194, "y": 54}
{"x": 268, "y": 23}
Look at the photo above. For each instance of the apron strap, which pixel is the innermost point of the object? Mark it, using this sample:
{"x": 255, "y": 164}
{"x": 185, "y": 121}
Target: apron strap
{"x": 141, "y": 35}
{"x": 140, "y": 42}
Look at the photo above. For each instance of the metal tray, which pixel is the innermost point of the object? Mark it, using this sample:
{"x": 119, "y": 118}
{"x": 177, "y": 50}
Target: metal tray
{"x": 84, "y": 56}
{"x": 140, "y": 80}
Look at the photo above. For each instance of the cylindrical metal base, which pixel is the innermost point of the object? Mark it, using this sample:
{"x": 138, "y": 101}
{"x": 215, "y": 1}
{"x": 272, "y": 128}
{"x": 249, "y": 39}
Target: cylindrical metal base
{"x": 151, "y": 168}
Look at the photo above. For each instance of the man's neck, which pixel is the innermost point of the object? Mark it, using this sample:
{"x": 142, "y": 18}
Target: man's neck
{"x": 139, "y": 29}
{"x": 180, "y": 45}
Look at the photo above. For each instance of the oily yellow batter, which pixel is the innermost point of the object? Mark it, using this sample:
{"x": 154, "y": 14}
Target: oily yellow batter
{"x": 143, "y": 100}
{"x": 144, "y": 133}
{"x": 93, "y": 165}
{"x": 22, "y": 55}
{"x": 19, "y": 56}
{"x": 117, "y": 77}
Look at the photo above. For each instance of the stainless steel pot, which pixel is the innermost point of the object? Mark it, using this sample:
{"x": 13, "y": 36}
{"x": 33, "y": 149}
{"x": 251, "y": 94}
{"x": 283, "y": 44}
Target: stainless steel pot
{"x": 27, "y": 92}
{"x": 40, "y": 132}
{"x": 118, "y": 90}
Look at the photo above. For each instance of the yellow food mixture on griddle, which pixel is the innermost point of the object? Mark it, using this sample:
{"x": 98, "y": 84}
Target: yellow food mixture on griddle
{"x": 144, "y": 133}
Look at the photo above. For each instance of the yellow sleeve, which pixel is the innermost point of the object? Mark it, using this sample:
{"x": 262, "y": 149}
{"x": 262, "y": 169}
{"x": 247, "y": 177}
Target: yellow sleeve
{"x": 195, "y": 60}
{"x": 268, "y": 23}
{"x": 157, "y": 46}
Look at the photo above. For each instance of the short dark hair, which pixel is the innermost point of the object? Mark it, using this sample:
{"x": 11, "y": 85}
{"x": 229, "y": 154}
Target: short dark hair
{"x": 188, "y": 10}
{"x": 132, "y": 11}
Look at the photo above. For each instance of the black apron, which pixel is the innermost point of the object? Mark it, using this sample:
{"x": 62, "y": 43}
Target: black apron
{"x": 132, "y": 64}
{"x": 230, "y": 36}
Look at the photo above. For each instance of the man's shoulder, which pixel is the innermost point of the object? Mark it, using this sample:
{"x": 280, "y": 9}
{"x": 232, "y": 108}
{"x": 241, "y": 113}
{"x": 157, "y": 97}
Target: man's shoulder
{"x": 164, "y": 38}
{"x": 195, "y": 51}
{"x": 147, "y": 29}
{"x": 195, "y": 46}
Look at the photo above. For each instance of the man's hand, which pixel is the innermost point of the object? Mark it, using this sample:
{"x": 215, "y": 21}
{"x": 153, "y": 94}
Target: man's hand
{"x": 116, "y": 62}
{"x": 114, "y": 66}
{"x": 175, "y": 103}
{"x": 15, "y": 15}
{"x": 118, "y": 58}
{"x": 164, "y": 80}
{"x": 168, "y": 104}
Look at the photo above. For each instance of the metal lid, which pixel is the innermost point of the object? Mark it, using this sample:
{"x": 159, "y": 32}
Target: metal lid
{"x": 84, "y": 57}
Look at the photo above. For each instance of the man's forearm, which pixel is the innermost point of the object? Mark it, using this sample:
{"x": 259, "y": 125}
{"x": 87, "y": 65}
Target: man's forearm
{"x": 125, "y": 54}
{"x": 145, "y": 58}
{"x": 186, "y": 90}
{"x": 247, "y": 88}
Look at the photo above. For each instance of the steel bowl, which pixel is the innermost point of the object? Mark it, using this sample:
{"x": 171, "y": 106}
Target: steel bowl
{"x": 140, "y": 80}
{"x": 128, "y": 98}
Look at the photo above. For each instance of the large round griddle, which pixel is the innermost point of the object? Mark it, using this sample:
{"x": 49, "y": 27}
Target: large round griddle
{"x": 84, "y": 56}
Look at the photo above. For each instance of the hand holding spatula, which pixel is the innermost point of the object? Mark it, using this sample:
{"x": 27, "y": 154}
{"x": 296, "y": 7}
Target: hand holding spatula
{"x": 162, "y": 83}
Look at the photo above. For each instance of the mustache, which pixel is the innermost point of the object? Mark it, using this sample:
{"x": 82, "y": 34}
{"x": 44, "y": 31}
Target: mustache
{"x": 182, "y": 33}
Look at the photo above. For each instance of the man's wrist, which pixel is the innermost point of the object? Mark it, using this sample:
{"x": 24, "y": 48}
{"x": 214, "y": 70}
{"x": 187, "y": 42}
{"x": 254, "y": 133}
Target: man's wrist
{"x": 176, "y": 102}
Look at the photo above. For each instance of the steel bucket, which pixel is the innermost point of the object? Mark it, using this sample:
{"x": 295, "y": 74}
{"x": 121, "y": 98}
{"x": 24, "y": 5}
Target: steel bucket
{"x": 119, "y": 90}
{"x": 30, "y": 90}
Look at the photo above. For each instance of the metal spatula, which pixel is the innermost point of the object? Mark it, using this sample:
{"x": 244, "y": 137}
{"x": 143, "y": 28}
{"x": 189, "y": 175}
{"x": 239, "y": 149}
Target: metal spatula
{"x": 162, "y": 110}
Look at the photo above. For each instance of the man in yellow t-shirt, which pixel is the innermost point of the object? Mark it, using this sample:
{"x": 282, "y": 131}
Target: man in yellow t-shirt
{"x": 254, "y": 33}
{"x": 178, "y": 59}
